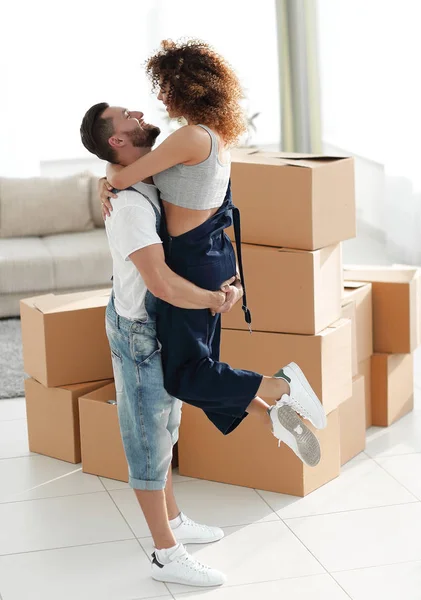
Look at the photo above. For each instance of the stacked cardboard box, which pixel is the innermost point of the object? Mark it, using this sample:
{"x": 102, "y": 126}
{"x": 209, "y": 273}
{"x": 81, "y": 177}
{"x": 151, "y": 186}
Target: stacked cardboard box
{"x": 295, "y": 211}
{"x": 66, "y": 354}
{"x": 359, "y": 295}
{"x": 396, "y": 306}
{"x": 70, "y": 397}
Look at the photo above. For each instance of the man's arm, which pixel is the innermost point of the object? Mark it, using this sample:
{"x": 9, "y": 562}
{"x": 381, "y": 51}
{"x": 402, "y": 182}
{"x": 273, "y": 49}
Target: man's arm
{"x": 170, "y": 287}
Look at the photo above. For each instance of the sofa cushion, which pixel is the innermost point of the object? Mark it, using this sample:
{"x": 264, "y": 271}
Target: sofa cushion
{"x": 80, "y": 259}
{"x": 25, "y": 265}
{"x": 96, "y": 203}
{"x": 42, "y": 206}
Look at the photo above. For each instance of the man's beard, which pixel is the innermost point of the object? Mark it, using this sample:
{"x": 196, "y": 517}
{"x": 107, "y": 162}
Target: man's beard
{"x": 144, "y": 138}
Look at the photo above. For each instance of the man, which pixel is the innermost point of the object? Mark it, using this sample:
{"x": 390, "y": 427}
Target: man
{"x": 149, "y": 428}
{"x": 149, "y": 417}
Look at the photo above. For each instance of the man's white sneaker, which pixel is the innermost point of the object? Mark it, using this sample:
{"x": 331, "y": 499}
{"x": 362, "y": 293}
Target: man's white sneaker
{"x": 175, "y": 565}
{"x": 287, "y": 427}
{"x": 187, "y": 531}
{"x": 302, "y": 397}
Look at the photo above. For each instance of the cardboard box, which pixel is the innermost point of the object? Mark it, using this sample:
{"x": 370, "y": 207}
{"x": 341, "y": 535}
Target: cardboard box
{"x": 361, "y": 294}
{"x": 349, "y": 312}
{"x": 289, "y": 291}
{"x": 396, "y": 306}
{"x": 392, "y": 387}
{"x": 102, "y": 448}
{"x": 293, "y": 200}
{"x": 364, "y": 369}
{"x": 250, "y": 456}
{"x": 53, "y": 418}
{"x": 325, "y": 358}
{"x": 64, "y": 338}
{"x": 352, "y": 421}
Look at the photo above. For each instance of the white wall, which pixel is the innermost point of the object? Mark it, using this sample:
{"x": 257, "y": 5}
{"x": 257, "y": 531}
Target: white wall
{"x": 60, "y": 58}
{"x": 371, "y": 98}
{"x": 369, "y": 55}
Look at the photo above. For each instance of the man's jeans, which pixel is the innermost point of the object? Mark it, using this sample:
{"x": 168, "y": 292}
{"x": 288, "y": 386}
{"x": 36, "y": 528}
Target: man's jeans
{"x": 149, "y": 417}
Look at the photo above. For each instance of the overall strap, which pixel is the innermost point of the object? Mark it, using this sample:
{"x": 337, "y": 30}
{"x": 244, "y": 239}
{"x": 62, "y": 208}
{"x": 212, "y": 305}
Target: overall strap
{"x": 237, "y": 235}
{"x": 156, "y": 211}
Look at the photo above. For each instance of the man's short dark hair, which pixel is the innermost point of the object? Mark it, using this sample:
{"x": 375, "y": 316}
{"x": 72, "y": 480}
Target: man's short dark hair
{"x": 96, "y": 131}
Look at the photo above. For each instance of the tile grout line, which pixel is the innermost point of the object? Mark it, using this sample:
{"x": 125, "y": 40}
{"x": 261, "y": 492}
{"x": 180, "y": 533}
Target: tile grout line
{"x": 149, "y": 559}
{"x": 338, "y": 512}
{"x": 267, "y": 504}
{"x": 391, "y": 455}
{"x": 397, "y": 480}
{"x": 403, "y": 562}
{"x": 65, "y": 547}
{"x": 135, "y": 537}
{"x": 255, "y": 524}
{"x": 123, "y": 517}
{"x": 242, "y": 585}
{"x": 308, "y": 550}
{"x": 29, "y": 455}
{"x": 151, "y": 597}
{"x": 50, "y": 498}
{"x": 315, "y": 558}
{"x": 351, "y": 510}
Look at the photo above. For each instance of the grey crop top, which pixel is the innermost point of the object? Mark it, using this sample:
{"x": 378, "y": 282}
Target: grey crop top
{"x": 198, "y": 187}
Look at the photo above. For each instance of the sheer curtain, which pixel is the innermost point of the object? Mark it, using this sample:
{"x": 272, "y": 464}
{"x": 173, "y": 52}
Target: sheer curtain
{"x": 371, "y": 98}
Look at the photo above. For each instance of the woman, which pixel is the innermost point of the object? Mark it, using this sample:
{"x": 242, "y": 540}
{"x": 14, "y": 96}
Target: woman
{"x": 191, "y": 168}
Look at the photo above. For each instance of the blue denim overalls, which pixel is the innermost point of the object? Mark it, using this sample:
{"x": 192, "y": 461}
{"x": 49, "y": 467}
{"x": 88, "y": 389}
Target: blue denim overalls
{"x": 191, "y": 338}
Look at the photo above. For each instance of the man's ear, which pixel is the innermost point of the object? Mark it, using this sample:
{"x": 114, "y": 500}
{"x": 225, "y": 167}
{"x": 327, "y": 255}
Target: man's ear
{"x": 116, "y": 142}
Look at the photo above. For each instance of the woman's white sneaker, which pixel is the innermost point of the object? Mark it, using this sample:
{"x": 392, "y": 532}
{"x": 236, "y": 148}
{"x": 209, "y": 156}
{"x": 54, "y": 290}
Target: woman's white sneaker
{"x": 187, "y": 531}
{"x": 176, "y": 565}
{"x": 302, "y": 397}
{"x": 287, "y": 427}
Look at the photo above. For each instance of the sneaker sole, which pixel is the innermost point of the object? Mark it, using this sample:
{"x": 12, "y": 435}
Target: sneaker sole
{"x": 184, "y": 582}
{"x": 310, "y": 393}
{"x": 302, "y": 441}
{"x": 199, "y": 541}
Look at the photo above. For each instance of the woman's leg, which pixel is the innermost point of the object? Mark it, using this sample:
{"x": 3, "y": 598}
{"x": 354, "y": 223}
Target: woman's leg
{"x": 259, "y": 408}
{"x": 273, "y": 388}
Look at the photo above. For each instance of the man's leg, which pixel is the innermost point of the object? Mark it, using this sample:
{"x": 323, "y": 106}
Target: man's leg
{"x": 172, "y": 508}
{"x": 154, "y": 507}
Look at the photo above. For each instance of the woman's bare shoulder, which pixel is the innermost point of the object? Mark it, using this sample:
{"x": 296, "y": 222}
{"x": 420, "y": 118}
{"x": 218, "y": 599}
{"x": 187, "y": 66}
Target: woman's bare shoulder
{"x": 190, "y": 134}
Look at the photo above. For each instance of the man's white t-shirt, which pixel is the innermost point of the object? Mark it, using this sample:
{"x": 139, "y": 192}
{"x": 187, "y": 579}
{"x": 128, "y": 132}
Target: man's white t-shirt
{"x": 131, "y": 226}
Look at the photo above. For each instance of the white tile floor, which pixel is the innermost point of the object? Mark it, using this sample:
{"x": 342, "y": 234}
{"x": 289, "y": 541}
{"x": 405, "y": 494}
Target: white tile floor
{"x": 66, "y": 535}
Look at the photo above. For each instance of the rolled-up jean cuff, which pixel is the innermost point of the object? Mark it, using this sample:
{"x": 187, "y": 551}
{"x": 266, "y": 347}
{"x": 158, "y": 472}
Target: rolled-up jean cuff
{"x": 151, "y": 486}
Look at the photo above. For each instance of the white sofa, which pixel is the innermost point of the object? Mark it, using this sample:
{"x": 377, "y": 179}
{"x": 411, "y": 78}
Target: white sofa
{"x": 52, "y": 239}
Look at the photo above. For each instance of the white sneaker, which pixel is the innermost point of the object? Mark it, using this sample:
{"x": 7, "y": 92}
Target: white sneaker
{"x": 287, "y": 427}
{"x": 181, "y": 567}
{"x": 189, "y": 532}
{"x": 302, "y": 397}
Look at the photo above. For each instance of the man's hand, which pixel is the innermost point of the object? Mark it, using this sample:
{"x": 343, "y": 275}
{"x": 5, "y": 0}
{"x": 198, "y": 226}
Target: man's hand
{"x": 105, "y": 193}
{"x": 233, "y": 294}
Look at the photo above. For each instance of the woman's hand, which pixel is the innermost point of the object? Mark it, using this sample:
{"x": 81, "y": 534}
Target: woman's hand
{"x": 105, "y": 192}
{"x": 233, "y": 294}
{"x": 222, "y": 296}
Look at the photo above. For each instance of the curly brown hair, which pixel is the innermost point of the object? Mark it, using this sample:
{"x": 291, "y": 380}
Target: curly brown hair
{"x": 203, "y": 87}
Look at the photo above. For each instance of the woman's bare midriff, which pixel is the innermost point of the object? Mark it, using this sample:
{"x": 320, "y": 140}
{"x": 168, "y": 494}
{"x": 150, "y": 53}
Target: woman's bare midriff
{"x": 180, "y": 220}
